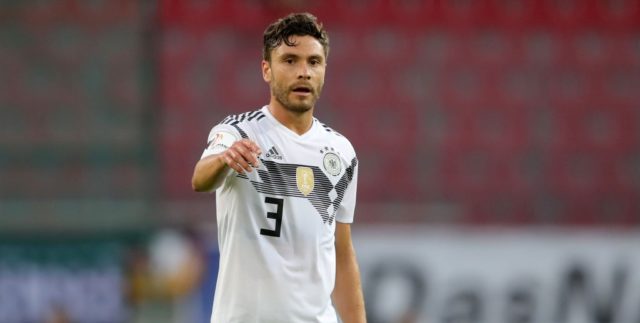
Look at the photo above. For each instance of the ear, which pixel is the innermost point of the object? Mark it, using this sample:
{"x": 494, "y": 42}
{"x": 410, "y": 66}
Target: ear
{"x": 266, "y": 71}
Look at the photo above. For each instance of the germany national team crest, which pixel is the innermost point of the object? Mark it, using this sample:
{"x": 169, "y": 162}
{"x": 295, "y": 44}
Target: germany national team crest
{"x": 304, "y": 179}
{"x": 332, "y": 164}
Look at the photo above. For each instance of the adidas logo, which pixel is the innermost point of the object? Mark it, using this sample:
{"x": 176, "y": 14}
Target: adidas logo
{"x": 273, "y": 153}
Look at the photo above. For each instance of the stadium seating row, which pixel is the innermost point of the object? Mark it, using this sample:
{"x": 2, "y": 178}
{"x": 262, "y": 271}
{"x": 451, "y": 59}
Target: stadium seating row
{"x": 72, "y": 116}
{"x": 498, "y": 111}
{"x": 506, "y": 111}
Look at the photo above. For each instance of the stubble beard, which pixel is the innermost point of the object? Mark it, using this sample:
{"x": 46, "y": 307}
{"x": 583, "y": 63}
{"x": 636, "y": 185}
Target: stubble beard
{"x": 282, "y": 96}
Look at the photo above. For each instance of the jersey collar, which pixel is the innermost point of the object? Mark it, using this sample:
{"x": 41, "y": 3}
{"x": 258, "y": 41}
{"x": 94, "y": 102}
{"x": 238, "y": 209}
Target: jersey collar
{"x": 314, "y": 124}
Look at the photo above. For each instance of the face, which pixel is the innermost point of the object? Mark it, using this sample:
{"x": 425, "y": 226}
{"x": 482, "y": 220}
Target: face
{"x": 296, "y": 73}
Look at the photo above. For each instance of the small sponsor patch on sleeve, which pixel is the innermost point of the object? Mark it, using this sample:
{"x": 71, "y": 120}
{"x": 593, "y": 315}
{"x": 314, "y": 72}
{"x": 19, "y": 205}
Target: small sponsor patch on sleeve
{"x": 221, "y": 141}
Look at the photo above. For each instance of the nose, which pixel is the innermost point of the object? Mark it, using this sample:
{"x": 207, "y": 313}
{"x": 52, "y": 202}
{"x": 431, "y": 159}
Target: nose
{"x": 304, "y": 73}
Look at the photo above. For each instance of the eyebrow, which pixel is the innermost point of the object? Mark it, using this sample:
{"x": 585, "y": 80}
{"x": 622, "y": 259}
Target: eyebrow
{"x": 291, "y": 55}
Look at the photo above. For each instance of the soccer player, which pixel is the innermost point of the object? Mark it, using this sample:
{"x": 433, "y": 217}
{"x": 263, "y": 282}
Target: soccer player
{"x": 285, "y": 191}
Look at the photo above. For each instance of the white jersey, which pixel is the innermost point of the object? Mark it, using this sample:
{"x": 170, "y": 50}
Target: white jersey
{"x": 276, "y": 224}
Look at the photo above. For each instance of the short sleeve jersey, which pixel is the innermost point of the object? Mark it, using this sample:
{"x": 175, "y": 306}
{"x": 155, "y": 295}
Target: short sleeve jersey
{"x": 276, "y": 224}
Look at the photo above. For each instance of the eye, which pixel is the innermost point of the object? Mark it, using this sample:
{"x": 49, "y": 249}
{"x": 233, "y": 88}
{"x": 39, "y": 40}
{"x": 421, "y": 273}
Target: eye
{"x": 288, "y": 61}
{"x": 314, "y": 62}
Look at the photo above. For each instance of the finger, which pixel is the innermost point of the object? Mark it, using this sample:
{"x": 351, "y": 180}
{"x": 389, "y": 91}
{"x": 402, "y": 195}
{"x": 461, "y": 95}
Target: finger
{"x": 242, "y": 161}
{"x": 256, "y": 152}
{"x": 249, "y": 153}
{"x": 252, "y": 146}
{"x": 238, "y": 159}
{"x": 246, "y": 155}
{"x": 232, "y": 164}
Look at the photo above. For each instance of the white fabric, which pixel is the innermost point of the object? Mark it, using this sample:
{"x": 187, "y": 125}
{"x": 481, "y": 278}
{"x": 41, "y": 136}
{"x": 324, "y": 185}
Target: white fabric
{"x": 264, "y": 278}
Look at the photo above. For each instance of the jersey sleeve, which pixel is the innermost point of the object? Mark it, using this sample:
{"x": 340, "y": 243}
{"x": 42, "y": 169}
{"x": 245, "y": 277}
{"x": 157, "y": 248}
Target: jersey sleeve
{"x": 346, "y": 209}
{"x": 220, "y": 139}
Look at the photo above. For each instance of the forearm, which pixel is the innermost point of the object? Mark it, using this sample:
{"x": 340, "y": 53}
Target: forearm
{"x": 207, "y": 171}
{"x": 347, "y": 294}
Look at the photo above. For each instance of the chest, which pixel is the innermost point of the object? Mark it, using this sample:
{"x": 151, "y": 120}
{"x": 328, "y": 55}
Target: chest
{"x": 316, "y": 158}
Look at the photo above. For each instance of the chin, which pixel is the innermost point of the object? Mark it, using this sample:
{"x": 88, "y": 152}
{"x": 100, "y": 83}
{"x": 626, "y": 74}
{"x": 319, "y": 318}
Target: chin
{"x": 299, "y": 108}
{"x": 294, "y": 104}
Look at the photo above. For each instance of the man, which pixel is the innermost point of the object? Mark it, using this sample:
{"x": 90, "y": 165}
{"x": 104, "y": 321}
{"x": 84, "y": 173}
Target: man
{"x": 285, "y": 189}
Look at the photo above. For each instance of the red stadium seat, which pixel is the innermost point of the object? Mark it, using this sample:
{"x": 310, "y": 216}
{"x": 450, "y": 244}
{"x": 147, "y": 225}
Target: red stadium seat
{"x": 512, "y": 112}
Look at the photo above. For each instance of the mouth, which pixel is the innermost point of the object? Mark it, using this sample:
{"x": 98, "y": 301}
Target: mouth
{"x": 301, "y": 90}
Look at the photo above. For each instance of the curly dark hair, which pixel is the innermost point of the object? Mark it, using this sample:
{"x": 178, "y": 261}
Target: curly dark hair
{"x": 298, "y": 24}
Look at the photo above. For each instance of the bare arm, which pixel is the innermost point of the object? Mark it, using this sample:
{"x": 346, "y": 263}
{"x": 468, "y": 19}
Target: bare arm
{"x": 241, "y": 157}
{"x": 347, "y": 294}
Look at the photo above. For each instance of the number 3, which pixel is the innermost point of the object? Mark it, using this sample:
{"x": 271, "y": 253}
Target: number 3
{"x": 271, "y": 215}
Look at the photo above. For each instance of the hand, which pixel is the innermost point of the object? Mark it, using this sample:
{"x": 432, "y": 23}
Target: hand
{"x": 242, "y": 155}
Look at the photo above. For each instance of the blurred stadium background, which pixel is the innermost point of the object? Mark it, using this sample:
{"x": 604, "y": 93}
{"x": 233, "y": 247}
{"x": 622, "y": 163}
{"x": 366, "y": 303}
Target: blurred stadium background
{"x": 499, "y": 144}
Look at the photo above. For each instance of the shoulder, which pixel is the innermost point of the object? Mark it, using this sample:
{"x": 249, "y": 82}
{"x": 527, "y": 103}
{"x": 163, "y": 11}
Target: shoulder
{"x": 243, "y": 118}
{"x": 239, "y": 124}
{"x": 337, "y": 138}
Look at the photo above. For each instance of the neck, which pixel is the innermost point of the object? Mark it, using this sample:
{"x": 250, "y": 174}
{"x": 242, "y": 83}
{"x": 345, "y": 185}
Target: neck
{"x": 298, "y": 122}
